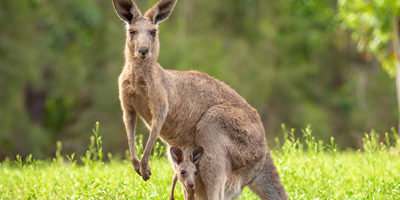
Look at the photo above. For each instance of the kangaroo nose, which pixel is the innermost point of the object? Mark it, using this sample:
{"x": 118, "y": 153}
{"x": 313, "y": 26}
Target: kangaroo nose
{"x": 191, "y": 185}
{"x": 143, "y": 51}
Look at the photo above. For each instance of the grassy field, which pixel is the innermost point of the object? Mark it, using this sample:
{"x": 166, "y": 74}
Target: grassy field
{"x": 308, "y": 169}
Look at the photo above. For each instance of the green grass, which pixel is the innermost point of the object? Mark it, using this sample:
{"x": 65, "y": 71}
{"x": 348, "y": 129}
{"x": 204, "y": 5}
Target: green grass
{"x": 308, "y": 170}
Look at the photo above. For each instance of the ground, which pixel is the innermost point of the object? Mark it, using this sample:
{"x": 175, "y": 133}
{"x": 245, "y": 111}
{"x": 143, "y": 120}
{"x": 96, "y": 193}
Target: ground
{"x": 308, "y": 170}
{"x": 344, "y": 175}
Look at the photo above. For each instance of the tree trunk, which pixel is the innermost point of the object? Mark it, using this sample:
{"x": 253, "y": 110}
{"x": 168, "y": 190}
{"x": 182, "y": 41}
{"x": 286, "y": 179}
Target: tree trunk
{"x": 35, "y": 99}
{"x": 396, "y": 45}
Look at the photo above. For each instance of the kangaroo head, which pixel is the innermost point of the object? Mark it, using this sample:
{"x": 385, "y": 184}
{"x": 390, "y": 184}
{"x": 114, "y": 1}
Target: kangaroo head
{"x": 141, "y": 30}
{"x": 186, "y": 168}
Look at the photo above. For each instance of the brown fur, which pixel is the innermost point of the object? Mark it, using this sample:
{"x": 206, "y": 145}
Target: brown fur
{"x": 184, "y": 163}
{"x": 188, "y": 109}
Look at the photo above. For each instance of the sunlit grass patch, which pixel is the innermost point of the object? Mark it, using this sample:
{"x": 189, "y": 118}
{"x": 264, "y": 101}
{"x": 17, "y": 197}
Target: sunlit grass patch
{"x": 308, "y": 168}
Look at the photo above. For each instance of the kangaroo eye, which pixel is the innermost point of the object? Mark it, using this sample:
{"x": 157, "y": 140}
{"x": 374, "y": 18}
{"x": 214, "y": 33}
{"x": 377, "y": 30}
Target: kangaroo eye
{"x": 183, "y": 172}
{"x": 195, "y": 173}
{"x": 132, "y": 32}
{"x": 153, "y": 33}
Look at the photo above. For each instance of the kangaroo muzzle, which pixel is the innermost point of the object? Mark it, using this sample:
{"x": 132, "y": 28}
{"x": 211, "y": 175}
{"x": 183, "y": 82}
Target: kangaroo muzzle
{"x": 143, "y": 52}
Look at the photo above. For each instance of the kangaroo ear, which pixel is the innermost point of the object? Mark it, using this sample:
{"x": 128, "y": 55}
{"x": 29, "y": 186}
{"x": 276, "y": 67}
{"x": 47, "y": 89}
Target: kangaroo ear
{"x": 176, "y": 154}
{"x": 160, "y": 10}
{"x": 126, "y": 9}
{"x": 196, "y": 154}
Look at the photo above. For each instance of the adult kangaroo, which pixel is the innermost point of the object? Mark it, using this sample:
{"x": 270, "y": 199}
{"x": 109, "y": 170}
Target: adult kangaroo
{"x": 188, "y": 109}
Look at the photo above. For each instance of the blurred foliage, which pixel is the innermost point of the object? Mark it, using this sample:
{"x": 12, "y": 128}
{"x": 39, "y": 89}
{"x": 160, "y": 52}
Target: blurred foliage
{"x": 59, "y": 63}
{"x": 372, "y": 23}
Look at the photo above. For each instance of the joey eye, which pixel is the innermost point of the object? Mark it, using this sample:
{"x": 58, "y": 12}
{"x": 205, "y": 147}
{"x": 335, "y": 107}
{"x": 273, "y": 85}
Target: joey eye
{"x": 153, "y": 33}
{"x": 132, "y": 32}
{"x": 183, "y": 172}
{"x": 195, "y": 173}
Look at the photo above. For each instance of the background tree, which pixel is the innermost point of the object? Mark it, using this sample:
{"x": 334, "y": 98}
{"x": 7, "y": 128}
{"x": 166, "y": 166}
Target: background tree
{"x": 375, "y": 25}
{"x": 290, "y": 59}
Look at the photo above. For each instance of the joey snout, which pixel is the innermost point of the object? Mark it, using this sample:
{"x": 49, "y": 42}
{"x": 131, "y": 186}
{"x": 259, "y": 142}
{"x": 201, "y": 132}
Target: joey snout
{"x": 189, "y": 185}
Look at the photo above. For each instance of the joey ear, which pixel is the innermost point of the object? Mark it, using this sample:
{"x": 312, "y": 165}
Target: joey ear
{"x": 176, "y": 154}
{"x": 196, "y": 154}
{"x": 160, "y": 11}
{"x": 126, "y": 9}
